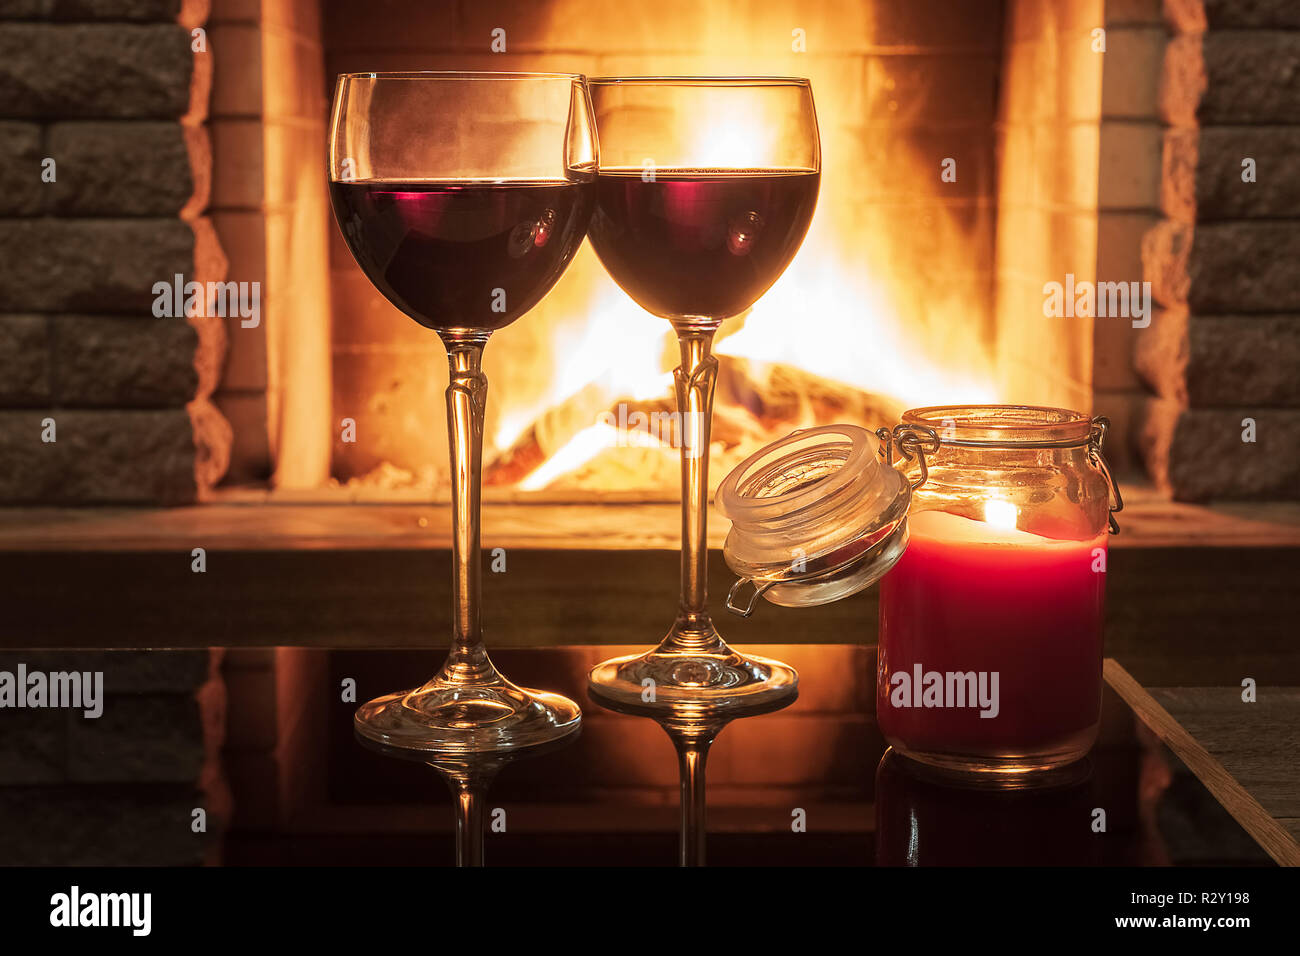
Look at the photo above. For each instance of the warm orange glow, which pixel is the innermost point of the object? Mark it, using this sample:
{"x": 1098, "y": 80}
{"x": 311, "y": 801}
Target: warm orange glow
{"x": 827, "y": 315}
{"x": 731, "y": 142}
{"x": 582, "y": 448}
{"x": 889, "y": 304}
{"x": 618, "y": 350}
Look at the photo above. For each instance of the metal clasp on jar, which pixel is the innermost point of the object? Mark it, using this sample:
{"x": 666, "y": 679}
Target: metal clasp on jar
{"x": 746, "y": 609}
{"x": 1100, "y": 424}
{"x": 914, "y": 443}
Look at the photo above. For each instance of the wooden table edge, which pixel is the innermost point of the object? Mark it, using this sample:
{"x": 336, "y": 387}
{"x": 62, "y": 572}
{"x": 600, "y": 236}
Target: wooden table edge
{"x": 1245, "y": 809}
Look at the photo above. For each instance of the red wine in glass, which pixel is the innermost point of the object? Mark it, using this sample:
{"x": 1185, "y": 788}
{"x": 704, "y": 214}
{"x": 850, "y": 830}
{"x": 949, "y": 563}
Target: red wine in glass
{"x": 700, "y": 242}
{"x": 463, "y": 255}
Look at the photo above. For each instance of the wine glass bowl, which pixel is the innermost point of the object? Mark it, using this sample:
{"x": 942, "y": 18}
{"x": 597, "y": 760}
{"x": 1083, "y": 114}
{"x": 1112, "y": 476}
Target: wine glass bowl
{"x": 705, "y": 189}
{"x": 705, "y": 244}
{"x": 463, "y": 255}
{"x": 463, "y": 197}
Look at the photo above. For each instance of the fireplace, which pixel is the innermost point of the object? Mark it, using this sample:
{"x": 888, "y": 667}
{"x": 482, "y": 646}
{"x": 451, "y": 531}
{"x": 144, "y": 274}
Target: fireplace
{"x": 974, "y": 153}
{"x": 888, "y": 304}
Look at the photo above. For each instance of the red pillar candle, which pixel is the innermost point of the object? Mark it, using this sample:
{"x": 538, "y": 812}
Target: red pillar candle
{"x": 990, "y": 643}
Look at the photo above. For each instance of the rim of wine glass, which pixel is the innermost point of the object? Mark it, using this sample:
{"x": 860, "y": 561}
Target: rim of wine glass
{"x": 458, "y": 75}
{"x": 703, "y": 80}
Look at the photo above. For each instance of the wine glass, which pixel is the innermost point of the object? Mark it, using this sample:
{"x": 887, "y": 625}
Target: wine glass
{"x": 704, "y": 191}
{"x": 463, "y": 196}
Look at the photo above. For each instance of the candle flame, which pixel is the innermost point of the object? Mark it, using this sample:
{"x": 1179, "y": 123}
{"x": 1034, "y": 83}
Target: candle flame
{"x": 1001, "y": 514}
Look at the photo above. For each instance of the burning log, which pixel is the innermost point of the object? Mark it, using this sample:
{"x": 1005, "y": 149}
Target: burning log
{"x": 548, "y": 433}
{"x": 755, "y": 403}
{"x": 781, "y": 397}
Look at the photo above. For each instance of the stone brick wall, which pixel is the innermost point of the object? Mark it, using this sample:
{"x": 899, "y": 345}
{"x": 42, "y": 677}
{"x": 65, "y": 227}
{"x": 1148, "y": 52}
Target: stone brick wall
{"x": 113, "y": 93}
{"x": 120, "y": 789}
{"x": 1222, "y": 259}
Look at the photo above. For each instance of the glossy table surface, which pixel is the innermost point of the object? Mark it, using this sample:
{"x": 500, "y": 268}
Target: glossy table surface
{"x": 811, "y": 784}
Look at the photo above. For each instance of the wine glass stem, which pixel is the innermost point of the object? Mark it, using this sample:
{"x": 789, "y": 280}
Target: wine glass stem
{"x": 691, "y": 758}
{"x": 469, "y": 795}
{"x": 466, "y": 403}
{"x": 695, "y": 379}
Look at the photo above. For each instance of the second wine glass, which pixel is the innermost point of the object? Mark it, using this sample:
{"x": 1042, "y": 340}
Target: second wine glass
{"x": 705, "y": 189}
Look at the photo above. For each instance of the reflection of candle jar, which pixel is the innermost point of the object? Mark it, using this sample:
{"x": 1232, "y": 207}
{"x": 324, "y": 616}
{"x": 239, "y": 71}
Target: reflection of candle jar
{"x": 991, "y": 621}
{"x": 995, "y": 530}
{"x": 928, "y": 822}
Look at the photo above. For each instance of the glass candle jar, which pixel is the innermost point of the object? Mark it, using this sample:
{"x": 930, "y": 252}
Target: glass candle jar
{"x": 988, "y": 535}
{"x": 990, "y": 649}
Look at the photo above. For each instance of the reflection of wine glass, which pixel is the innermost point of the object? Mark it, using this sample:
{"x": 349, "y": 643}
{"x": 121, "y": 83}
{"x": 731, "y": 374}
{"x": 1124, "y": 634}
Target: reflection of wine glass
{"x": 692, "y": 727}
{"x": 463, "y": 196}
{"x": 468, "y": 776}
{"x": 697, "y": 214}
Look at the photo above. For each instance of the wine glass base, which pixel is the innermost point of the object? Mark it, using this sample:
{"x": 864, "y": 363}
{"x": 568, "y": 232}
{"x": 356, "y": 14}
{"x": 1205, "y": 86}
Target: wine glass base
{"x": 716, "y": 683}
{"x": 443, "y": 717}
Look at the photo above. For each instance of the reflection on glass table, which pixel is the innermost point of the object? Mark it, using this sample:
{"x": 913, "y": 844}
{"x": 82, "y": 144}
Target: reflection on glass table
{"x": 468, "y": 776}
{"x": 614, "y": 796}
{"x": 692, "y": 727}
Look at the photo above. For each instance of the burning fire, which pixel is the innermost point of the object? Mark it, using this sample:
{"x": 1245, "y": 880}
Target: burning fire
{"x": 617, "y": 351}
{"x": 823, "y": 317}
{"x": 582, "y": 448}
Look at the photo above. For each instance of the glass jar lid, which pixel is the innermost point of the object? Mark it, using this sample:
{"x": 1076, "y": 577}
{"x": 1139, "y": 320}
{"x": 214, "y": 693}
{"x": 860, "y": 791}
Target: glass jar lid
{"x": 816, "y": 516}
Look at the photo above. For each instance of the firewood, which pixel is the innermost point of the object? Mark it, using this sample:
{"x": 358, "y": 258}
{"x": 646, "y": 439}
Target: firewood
{"x": 755, "y": 403}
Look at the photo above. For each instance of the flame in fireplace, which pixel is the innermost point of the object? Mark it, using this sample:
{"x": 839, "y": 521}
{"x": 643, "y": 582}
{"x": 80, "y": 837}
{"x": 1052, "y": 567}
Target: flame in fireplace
{"x": 827, "y": 325}
{"x": 727, "y": 143}
{"x": 823, "y": 318}
{"x": 872, "y": 316}
{"x": 615, "y": 351}
{"x": 582, "y": 448}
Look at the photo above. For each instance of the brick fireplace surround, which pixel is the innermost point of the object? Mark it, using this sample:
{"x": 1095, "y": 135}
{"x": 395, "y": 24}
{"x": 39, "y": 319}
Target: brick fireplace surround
{"x": 206, "y": 163}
